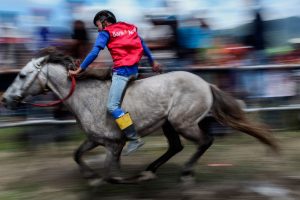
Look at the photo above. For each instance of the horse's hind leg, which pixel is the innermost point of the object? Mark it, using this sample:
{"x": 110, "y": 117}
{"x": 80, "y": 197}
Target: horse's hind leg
{"x": 203, "y": 140}
{"x": 87, "y": 145}
{"x": 175, "y": 146}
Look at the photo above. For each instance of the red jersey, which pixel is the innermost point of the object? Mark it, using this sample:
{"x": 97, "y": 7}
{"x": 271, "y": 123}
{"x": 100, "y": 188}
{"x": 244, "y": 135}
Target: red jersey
{"x": 124, "y": 44}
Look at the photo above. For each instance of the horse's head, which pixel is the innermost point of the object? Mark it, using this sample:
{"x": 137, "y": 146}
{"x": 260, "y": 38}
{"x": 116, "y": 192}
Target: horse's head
{"x": 31, "y": 80}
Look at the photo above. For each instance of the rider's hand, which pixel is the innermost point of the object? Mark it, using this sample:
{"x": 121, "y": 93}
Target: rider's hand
{"x": 77, "y": 68}
{"x": 156, "y": 67}
{"x": 74, "y": 72}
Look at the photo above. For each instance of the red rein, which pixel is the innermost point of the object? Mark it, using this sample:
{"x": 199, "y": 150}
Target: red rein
{"x": 54, "y": 103}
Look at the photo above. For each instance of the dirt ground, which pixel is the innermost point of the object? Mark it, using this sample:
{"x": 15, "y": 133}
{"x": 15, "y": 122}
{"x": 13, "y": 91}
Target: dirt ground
{"x": 236, "y": 167}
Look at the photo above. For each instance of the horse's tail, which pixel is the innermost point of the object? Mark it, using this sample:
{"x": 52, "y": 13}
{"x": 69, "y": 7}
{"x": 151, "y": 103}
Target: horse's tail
{"x": 227, "y": 111}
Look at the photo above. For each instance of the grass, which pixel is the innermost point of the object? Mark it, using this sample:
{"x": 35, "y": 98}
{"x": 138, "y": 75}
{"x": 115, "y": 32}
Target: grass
{"x": 19, "y": 191}
{"x": 8, "y": 140}
{"x": 11, "y": 138}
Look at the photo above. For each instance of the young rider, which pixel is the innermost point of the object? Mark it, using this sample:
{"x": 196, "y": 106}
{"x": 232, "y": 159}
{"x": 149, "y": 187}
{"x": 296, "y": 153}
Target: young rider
{"x": 126, "y": 49}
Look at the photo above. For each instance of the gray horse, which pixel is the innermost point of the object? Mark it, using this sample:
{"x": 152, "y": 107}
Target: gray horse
{"x": 175, "y": 101}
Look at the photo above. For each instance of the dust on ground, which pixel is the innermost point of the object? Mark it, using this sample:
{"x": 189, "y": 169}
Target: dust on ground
{"x": 235, "y": 167}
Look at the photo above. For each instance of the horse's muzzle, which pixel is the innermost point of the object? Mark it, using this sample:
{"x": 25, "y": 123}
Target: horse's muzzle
{"x": 11, "y": 103}
{"x": 3, "y": 101}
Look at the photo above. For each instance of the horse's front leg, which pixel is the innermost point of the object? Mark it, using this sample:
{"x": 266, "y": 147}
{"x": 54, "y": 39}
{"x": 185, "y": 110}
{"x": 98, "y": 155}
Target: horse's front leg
{"x": 86, "y": 146}
{"x": 112, "y": 161}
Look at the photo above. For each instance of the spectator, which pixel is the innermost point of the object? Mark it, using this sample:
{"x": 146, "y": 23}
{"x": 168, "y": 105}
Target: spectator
{"x": 81, "y": 40}
{"x": 44, "y": 37}
{"x": 205, "y": 41}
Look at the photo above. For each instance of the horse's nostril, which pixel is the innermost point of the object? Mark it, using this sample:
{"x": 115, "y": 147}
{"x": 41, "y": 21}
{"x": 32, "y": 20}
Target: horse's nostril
{"x": 3, "y": 100}
{"x": 17, "y": 98}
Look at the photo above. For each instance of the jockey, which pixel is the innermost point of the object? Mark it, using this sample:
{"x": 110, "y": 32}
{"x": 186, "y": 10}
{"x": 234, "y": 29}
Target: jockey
{"x": 126, "y": 49}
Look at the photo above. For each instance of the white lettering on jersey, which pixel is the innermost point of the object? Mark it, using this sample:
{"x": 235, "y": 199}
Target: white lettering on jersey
{"x": 124, "y": 32}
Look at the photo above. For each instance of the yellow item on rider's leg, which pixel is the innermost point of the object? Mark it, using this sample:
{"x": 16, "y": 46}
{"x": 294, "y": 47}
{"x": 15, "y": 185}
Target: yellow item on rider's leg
{"x": 124, "y": 121}
{"x": 127, "y": 127}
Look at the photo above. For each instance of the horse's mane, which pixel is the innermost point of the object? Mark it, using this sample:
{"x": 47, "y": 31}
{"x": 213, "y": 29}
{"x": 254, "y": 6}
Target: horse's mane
{"x": 54, "y": 56}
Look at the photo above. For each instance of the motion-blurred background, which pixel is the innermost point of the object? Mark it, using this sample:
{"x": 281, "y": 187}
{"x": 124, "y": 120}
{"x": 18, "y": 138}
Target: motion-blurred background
{"x": 249, "y": 48}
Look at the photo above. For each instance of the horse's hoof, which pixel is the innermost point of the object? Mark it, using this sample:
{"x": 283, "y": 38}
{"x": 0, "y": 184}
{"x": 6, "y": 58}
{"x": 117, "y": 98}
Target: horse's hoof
{"x": 115, "y": 180}
{"x": 187, "y": 180}
{"x": 146, "y": 176}
{"x": 96, "y": 182}
{"x": 90, "y": 175}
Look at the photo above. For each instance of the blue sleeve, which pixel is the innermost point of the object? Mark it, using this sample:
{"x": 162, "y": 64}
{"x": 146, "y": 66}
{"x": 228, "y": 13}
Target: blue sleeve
{"x": 101, "y": 41}
{"x": 147, "y": 52}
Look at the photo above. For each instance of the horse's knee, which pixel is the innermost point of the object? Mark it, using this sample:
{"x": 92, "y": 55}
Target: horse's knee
{"x": 77, "y": 156}
{"x": 177, "y": 148}
{"x": 208, "y": 142}
{"x": 84, "y": 147}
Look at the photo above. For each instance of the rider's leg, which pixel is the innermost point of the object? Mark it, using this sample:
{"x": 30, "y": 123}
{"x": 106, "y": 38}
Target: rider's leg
{"x": 126, "y": 125}
{"x": 123, "y": 119}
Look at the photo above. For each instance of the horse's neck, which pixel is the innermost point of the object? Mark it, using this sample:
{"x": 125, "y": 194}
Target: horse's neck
{"x": 58, "y": 81}
{"x": 60, "y": 84}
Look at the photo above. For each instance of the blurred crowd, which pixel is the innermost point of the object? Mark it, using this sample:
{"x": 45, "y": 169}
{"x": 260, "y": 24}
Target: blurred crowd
{"x": 190, "y": 38}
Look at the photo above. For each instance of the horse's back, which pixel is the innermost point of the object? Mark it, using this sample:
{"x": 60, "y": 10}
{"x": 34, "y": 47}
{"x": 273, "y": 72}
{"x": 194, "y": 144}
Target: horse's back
{"x": 172, "y": 82}
{"x": 177, "y": 78}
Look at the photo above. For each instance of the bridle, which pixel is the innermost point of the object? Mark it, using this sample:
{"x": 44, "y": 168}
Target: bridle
{"x": 38, "y": 66}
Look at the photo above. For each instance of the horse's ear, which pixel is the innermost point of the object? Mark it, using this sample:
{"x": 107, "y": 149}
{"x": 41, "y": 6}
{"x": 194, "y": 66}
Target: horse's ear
{"x": 71, "y": 63}
{"x": 42, "y": 60}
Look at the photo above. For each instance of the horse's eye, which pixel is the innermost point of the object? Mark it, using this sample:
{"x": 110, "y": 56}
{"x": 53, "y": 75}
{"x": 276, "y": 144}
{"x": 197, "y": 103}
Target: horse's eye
{"x": 22, "y": 76}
